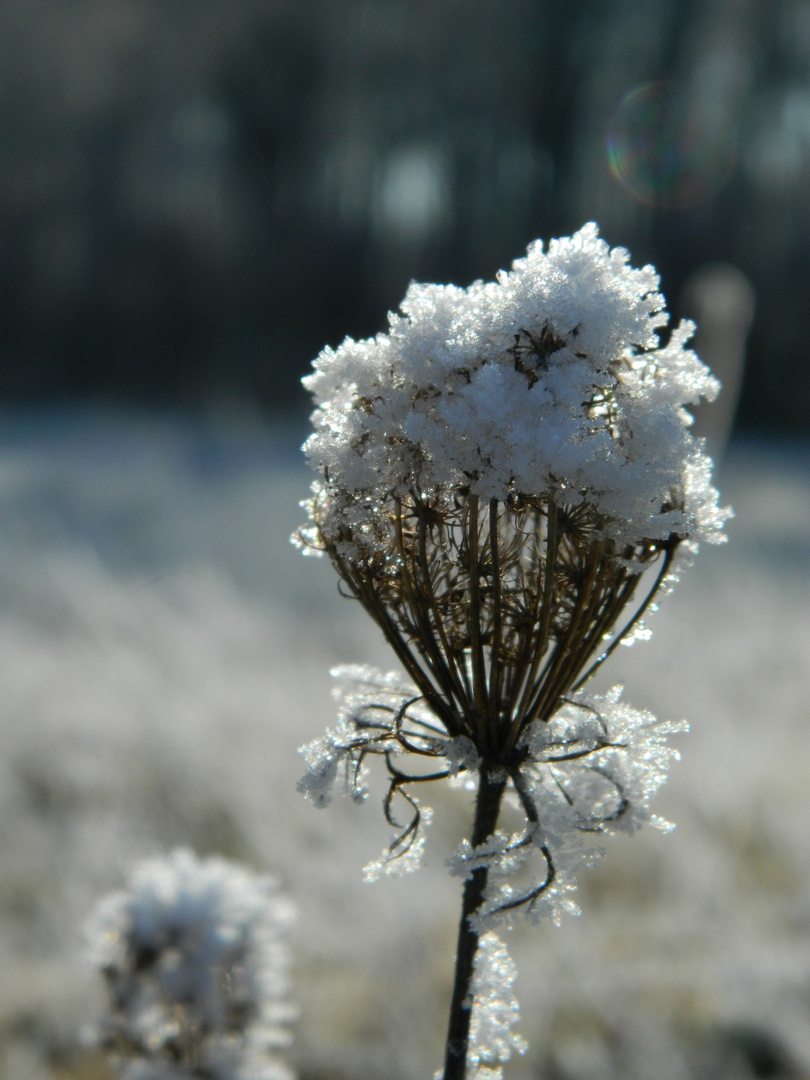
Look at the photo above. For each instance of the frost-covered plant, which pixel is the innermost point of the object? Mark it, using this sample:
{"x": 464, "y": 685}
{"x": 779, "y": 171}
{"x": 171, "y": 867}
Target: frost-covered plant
{"x": 194, "y": 960}
{"x": 495, "y": 477}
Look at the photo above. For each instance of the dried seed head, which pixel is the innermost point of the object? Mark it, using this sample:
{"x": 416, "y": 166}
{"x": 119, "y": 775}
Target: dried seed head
{"x": 498, "y": 471}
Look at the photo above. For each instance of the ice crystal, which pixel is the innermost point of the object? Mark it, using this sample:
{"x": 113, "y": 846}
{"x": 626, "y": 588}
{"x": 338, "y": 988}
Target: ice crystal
{"x": 395, "y": 863}
{"x": 592, "y": 769}
{"x": 461, "y": 755}
{"x": 193, "y": 956}
{"x": 377, "y": 714}
{"x": 495, "y": 1011}
{"x": 384, "y": 715}
{"x": 606, "y": 758}
{"x": 499, "y": 853}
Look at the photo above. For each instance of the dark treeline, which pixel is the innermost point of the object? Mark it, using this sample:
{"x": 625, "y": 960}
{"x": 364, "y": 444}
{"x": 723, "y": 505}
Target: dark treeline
{"x": 195, "y": 196}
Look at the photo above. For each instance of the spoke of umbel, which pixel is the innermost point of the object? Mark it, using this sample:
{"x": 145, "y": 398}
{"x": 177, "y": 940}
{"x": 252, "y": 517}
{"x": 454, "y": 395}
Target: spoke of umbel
{"x": 498, "y": 611}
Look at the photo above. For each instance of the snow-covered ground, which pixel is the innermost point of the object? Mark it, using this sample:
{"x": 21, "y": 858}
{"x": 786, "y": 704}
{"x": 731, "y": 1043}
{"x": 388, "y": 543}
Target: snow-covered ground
{"x": 163, "y": 653}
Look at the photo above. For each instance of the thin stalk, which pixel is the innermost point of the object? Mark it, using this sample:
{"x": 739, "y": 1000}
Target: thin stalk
{"x": 668, "y": 559}
{"x": 545, "y": 620}
{"x": 425, "y": 637}
{"x": 560, "y": 658}
{"x": 474, "y": 624}
{"x": 487, "y": 808}
{"x": 615, "y": 600}
{"x": 437, "y": 618}
{"x": 495, "y": 660}
{"x": 516, "y": 673}
{"x": 379, "y": 613}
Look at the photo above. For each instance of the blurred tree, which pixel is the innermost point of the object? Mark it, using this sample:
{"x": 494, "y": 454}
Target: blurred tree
{"x": 195, "y": 197}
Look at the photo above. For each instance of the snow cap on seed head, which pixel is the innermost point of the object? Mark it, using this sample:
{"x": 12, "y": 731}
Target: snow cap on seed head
{"x": 550, "y": 382}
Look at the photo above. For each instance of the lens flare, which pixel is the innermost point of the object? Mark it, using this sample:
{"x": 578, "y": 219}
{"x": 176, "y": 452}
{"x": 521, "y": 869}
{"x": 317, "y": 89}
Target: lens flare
{"x": 669, "y": 151}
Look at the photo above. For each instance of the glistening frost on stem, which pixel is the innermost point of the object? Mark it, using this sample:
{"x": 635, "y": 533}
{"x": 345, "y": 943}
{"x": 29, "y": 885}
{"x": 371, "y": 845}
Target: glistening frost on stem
{"x": 495, "y": 1012}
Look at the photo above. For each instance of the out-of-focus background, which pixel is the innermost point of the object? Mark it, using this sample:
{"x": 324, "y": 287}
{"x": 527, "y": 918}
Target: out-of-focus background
{"x": 195, "y": 197}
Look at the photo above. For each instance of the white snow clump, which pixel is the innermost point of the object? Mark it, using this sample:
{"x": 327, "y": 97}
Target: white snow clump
{"x": 551, "y": 382}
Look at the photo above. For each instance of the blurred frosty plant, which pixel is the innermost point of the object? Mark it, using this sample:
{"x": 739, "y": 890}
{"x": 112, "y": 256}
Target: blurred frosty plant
{"x": 496, "y": 475}
{"x": 193, "y": 957}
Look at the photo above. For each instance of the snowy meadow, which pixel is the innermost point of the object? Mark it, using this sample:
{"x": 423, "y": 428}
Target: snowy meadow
{"x": 165, "y": 651}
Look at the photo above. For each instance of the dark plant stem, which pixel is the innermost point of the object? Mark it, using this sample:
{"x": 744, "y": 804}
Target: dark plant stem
{"x": 487, "y": 808}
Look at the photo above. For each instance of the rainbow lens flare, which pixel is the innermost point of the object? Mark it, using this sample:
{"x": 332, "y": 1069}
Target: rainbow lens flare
{"x": 669, "y": 152}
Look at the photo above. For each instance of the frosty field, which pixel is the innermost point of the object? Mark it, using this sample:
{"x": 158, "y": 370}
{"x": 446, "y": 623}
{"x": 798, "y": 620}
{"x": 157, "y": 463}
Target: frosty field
{"x": 165, "y": 651}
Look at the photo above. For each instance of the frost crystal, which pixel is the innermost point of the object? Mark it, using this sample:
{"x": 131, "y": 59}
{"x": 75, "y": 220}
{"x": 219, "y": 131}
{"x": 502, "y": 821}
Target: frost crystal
{"x": 393, "y": 863}
{"x": 193, "y": 956}
{"x": 462, "y": 755}
{"x": 606, "y": 758}
{"x": 380, "y": 714}
{"x": 494, "y": 1011}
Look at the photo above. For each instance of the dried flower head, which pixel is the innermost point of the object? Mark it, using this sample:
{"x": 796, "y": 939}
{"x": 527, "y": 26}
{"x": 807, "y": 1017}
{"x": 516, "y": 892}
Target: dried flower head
{"x": 498, "y": 471}
{"x": 194, "y": 961}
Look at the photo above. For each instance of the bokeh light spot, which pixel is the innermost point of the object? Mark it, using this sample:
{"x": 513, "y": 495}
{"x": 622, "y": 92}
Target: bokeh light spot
{"x": 668, "y": 151}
